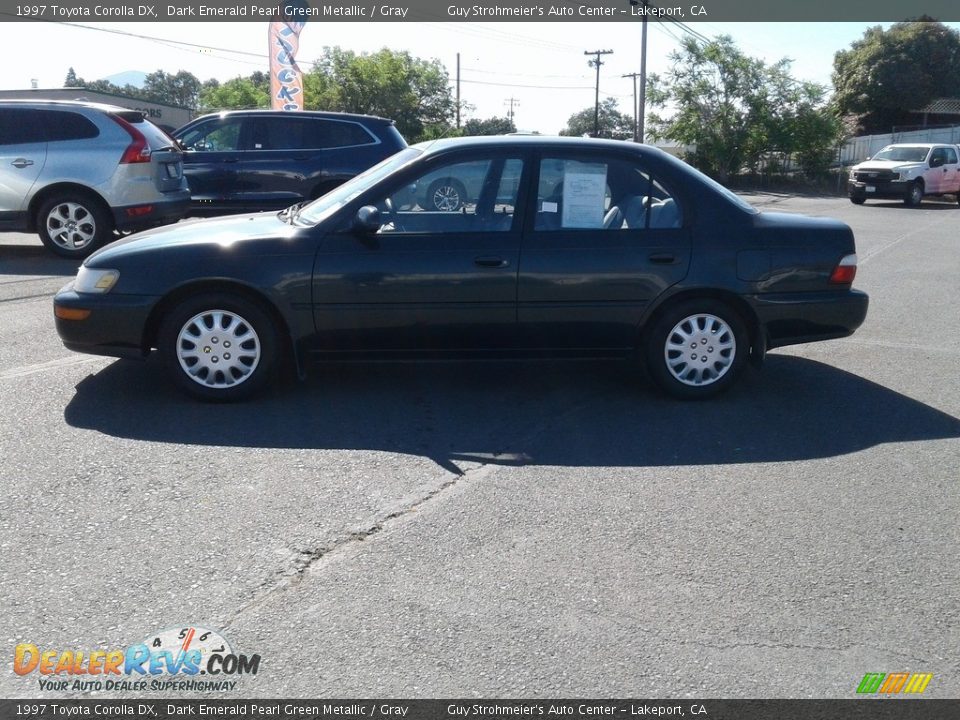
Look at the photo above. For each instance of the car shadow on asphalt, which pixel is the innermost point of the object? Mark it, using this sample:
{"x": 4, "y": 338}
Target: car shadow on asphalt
{"x": 568, "y": 414}
{"x": 34, "y": 260}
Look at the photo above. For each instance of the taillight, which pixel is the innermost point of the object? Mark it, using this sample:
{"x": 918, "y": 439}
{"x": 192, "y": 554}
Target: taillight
{"x": 138, "y": 151}
{"x": 845, "y": 271}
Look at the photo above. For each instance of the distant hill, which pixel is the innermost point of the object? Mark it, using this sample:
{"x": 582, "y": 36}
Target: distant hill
{"x": 128, "y": 77}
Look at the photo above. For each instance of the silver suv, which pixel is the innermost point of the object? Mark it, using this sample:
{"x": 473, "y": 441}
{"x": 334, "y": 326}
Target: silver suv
{"x": 78, "y": 174}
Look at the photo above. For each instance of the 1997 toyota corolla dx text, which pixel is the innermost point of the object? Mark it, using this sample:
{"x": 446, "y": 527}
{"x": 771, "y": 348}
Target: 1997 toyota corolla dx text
{"x": 571, "y": 247}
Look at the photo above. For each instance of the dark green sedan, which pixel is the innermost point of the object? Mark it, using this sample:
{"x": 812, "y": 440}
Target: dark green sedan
{"x": 570, "y": 248}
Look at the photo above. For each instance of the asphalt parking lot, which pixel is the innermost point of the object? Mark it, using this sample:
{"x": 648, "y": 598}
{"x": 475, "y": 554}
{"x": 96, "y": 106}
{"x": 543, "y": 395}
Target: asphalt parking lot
{"x": 506, "y": 530}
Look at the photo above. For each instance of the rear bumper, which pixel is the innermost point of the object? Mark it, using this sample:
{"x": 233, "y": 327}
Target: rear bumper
{"x": 151, "y": 214}
{"x": 115, "y": 326}
{"x": 794, "y": 318}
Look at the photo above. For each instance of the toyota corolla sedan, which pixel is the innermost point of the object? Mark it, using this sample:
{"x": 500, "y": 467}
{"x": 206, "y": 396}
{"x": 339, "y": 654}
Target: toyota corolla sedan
{"x": 571, "y": 248}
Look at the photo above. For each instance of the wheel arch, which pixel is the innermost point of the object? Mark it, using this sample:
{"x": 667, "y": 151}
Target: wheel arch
{"x": 758, "y": 344}
{"x": 42, "y": 196}
{"x": 203, "y": 286}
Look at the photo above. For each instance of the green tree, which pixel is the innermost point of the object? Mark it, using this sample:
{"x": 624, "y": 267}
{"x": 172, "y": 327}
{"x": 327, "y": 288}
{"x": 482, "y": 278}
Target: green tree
{"x": 736, "y": 110}
{"x": 490, "y": 126}
{"x": 415, "y": 93}
{"x": 236, "y": 94}
{"x": 716, "y": 93}
{"x": 889, "y": 73}
{"x": 71, "y": 80}
{"x": 613, "y": 123}
{"x": 182, "y": 89}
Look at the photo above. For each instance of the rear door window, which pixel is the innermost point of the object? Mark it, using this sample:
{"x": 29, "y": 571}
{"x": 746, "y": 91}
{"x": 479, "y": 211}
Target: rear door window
{"x": 584, "y": 193}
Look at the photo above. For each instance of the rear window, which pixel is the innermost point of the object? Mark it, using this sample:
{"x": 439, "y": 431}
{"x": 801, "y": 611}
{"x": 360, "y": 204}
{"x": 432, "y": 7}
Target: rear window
{"x": 335, "y": 133}
{"x": 157, "y": 138}
{"x": 23, "y": 125}
{"x": 293, "y": 133}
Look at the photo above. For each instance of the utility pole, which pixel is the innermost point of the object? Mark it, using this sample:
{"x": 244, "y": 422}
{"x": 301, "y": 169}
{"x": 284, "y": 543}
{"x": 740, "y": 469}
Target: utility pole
{"x": 596, "y": 105}
{"x": 642, "y": 105}
{"x": 636, "y": 122}
{"x": 511, "y": 101}
{"x": 458, "y": 90}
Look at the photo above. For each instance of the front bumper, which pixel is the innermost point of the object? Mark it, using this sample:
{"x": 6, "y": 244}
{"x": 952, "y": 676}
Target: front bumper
{"x": 881, "y": 188}
{"x": 794, "y": 318}
{"x": 116, "y": 325}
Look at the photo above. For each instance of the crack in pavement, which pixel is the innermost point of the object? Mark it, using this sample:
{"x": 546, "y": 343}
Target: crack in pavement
{"x": 307, "y": 559}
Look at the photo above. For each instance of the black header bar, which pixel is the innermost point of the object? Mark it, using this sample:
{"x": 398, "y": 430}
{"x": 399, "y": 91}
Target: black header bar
{"x": 687, "y": 11}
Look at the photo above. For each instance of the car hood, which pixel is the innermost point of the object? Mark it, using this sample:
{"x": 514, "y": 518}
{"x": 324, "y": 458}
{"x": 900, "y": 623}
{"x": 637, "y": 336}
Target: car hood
{"x": 886, "y": 165}
{"x": 218, "y": 234}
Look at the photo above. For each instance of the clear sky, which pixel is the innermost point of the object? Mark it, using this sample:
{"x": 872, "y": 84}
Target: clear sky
{"x": 541, "y": 65}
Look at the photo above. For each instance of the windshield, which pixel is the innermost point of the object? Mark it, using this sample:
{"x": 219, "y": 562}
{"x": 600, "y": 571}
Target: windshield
{"x": 903, "y": 154}
{"x": 324, "y": 206}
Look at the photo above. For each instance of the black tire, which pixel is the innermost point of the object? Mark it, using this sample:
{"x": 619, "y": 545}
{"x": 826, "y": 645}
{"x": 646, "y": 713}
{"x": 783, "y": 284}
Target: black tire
{"x": 914, "y": 195}
{"x": 74, "y": 224}
{"x": 243, "y": 332}
{"x": 446, "y": 195}
{"x": 722, "y": 347}
{"x": 857, "y": 200}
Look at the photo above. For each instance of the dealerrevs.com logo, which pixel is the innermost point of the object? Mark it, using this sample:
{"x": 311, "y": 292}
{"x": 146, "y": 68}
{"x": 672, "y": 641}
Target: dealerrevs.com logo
{"x": 190, "y": 658}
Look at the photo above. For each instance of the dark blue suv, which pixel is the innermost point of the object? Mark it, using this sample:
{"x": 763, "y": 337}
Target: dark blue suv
{"x": 248, "y": 160}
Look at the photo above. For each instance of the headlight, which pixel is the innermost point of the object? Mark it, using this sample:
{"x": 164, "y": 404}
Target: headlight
{"x": 94, "y": 280}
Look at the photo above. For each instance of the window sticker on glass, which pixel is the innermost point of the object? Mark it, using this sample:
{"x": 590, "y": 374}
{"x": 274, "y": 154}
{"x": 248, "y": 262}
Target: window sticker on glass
{"x": 584, "y": 185}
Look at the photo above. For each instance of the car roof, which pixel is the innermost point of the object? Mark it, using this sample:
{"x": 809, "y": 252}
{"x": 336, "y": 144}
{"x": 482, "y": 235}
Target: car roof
{"x": 325, "y": 114}
{"x": 76, "y": 104}
{"x": 526, "y": 141}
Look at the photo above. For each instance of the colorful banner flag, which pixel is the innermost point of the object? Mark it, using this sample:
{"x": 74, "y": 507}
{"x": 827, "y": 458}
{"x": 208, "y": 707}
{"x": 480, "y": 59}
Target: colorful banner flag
{"x": 286, "y": 80}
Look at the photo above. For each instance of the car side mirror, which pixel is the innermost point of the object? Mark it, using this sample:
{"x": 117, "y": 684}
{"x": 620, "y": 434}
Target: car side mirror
{"x": 936, "y": 162}
{"x": 367, "y": 220}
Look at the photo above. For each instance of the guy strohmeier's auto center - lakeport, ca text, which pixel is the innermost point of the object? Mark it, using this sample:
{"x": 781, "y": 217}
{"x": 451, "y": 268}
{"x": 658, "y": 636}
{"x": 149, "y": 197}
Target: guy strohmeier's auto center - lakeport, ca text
{"x": 333, "y": 11}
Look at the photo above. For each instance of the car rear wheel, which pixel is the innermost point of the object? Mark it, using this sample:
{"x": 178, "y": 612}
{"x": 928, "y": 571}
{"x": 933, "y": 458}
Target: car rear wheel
{"x": 914, "y": 195}
{"x": 446, "y": 195}
{"x": 219, "y": 346}
{"x": 858, "y": 200}
{"x": 697, "y": 348}
{"x": 73, "y": 225}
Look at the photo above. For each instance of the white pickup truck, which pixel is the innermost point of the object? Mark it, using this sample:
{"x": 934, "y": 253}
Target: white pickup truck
{"x": 907, "y": 172}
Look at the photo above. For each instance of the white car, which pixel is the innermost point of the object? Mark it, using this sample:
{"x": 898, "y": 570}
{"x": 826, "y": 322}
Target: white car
{"x": 907, "y": 172}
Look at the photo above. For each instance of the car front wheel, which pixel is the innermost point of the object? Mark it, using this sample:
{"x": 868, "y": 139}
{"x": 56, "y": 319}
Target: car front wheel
{"x": 914, "y": 195}
{"x": 218, "y": 347}
{"x": 74, "y": 225}
{"x": 697, "y": 348}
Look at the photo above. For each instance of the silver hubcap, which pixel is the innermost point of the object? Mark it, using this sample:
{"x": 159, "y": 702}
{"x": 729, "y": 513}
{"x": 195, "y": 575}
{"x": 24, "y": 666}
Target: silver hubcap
{"x": 218, "y": 349}
{"x": 916, "y": 194}
{"x": 700, "y": 349}
{"x": 71, "y": 226}
{"x": 446, "y": 198}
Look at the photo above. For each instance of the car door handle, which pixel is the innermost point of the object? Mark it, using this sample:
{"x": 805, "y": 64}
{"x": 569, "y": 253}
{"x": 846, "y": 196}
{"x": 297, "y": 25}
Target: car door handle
{"x": 490, "y": 261}
{"x": 22, "y": 163}
{"x": 663, "y": 258}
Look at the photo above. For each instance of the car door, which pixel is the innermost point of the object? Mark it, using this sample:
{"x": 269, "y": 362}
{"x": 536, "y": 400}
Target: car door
{"x": 935, "y": 177}
{"x": 211, "y": 161}
{"x": 426, "y": 280}
{"x": 23, "y": 152}
{"x": 604, "y": 238}
{"x": 952, "y": 174}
